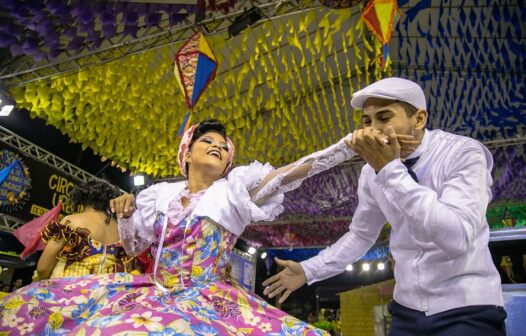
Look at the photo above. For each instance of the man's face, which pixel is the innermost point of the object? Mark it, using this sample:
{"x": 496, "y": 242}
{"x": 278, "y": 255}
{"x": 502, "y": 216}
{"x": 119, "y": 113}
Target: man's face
{"x": 379, "y": 113}
{"x": 18, "y": 283}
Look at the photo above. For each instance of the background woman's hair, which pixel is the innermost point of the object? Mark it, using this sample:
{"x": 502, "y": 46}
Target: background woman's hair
{"x": 95, "y": 193}
{"x": 209, "y": 125}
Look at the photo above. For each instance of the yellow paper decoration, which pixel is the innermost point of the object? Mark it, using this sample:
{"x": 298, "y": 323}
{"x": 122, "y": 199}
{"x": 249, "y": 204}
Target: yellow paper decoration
{"x": 283, "y": 92}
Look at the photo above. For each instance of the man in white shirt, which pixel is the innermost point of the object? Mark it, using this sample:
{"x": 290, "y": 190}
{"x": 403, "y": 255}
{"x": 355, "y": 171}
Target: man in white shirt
{"x": 435, "y": 199}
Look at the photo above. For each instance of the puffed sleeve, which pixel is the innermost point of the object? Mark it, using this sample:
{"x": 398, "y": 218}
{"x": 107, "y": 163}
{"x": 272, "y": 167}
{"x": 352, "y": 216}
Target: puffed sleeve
{"x": 54, "y": 231}
{"x": 245, "y": 178}
{"x": 137, "y": 232}
{"x": 229, "y": 203}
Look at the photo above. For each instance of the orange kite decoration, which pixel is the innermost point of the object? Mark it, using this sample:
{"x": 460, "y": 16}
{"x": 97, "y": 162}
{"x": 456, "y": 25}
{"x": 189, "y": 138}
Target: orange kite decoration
{"x": 380, "y": 16}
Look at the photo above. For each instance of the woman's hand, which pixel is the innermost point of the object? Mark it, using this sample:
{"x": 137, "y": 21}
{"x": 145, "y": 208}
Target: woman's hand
{"x": 123, "y": 206}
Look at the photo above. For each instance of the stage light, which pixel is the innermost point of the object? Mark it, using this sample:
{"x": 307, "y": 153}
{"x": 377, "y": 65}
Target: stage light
{"x": 138, "y": 180}
{"x": 245, "y": 20}
{"x": 366, "y": 267}
{"x": 6, "y": 110}
{"x": 348, "y": 268}
{"x": 251, "y": 250}
{"x": 380, "y": 266}
{"x": 263, "y": 255}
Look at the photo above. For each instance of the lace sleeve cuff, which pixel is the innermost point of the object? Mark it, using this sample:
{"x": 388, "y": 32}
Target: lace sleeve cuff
{"x": 318, "y": 161}
{"x": 136, "y": 232}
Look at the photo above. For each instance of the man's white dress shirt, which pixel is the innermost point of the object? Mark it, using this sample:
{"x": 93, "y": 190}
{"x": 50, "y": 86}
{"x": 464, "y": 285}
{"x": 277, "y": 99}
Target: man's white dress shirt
{"x": 439, "y": 237}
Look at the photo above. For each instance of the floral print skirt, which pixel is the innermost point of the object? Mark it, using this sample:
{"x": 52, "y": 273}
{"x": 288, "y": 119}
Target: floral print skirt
{"x": 126, "y": 304}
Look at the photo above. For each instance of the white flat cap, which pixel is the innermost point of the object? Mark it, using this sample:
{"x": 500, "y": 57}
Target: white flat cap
{"x": 393, "y": 89}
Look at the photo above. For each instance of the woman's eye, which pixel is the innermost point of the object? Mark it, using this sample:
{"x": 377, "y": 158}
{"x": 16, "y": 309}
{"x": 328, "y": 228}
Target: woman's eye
{"x": 207, "y": 141}
{"x": 224, "y": 147}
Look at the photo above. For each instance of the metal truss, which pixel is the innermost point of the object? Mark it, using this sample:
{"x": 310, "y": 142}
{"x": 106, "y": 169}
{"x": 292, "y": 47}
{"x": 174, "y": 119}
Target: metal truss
{"x": 42, "y": 155}
{"x": 24, "y": 70}
{"x": 9, "y": 223}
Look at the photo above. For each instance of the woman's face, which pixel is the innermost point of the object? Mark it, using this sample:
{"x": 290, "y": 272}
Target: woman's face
{"x": 209, "y": 152}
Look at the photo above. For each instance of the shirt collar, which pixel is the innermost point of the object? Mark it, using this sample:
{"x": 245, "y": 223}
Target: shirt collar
{"x": 422, "y": 147}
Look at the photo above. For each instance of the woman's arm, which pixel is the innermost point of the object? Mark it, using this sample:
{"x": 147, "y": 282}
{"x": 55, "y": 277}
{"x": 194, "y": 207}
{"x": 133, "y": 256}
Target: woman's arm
{"x": 289, "y": 177}
{"x": 48, "y": 259}
{"x": 136, "y": 218}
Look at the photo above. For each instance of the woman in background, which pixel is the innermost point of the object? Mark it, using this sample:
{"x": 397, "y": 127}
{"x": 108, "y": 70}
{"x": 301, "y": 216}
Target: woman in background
{"x": 87, "y": 242}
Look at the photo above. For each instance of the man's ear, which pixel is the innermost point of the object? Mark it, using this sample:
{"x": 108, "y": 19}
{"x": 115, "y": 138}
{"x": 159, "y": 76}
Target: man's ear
{"x": 420, "y": 119}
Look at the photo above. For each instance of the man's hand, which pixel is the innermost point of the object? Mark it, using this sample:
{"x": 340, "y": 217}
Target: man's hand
{"x": 370, "y": 144}
{"x": 123, "y": 206}
{"x": 408, "y": 144}
{"x": 288, "y": 280}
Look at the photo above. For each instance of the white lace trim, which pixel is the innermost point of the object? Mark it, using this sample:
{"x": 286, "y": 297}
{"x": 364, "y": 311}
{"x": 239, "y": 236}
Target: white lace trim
{"x": 132, "y": 240}
{"x": 243, "y": 179}
{"x": 136, "y": 232}
{"x": 321, "y": 161}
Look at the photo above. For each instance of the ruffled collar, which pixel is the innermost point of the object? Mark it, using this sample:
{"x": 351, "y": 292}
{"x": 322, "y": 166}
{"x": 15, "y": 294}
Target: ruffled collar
{"x": 175, "y": 209}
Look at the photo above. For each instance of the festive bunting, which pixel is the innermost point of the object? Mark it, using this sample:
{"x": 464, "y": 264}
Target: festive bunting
{"x": 48, "y": 28}
{"x": 463, "y": 70}
{"x": 127, "y": 110}
{"x": 286, "y": 97}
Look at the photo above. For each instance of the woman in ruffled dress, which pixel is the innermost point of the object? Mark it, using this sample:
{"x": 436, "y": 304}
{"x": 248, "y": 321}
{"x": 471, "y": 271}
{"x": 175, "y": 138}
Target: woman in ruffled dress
{"x": 191, "y": 228}
{"x": 87, "y": 242}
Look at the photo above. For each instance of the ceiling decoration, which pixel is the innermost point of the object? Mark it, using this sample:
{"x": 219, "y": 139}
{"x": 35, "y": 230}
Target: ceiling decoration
{"x": 47, "y": 29}
{"x": 282, "y": 89}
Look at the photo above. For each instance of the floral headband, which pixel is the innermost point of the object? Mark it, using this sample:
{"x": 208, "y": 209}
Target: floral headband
{"x": 184, "y": 147}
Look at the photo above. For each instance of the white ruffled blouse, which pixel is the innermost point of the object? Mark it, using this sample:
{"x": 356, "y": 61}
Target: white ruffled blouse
{"x": 228, "y": 201}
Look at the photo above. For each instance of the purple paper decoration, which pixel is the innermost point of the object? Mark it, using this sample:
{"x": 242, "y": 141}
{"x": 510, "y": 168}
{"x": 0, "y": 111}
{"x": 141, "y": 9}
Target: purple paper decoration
{"x": 47, "y": 28}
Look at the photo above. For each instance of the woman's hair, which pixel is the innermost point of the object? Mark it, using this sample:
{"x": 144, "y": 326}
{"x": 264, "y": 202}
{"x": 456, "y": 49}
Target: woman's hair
{"x": 209, "y": 125}
{"x": 95, "y": 193}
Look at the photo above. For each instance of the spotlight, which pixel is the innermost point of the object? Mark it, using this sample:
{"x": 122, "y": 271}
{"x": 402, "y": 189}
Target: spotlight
{"x": 245, "y": 20}
{"x": 380, "y": 266}
{"x": 263, "y": 255}
{"x": 138, "y": 180}
{"x": 6, "y": 110}
{"x": 348, "y": 268}
{"x": 366, "y": 267}
{"x": 251, "y": 250}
